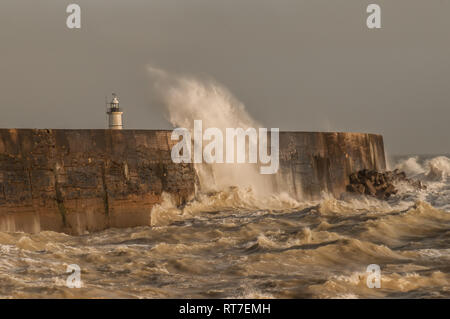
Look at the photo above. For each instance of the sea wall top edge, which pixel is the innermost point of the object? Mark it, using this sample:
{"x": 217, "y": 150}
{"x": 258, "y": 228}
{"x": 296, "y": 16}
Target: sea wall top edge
{"x": 170, "y": 130}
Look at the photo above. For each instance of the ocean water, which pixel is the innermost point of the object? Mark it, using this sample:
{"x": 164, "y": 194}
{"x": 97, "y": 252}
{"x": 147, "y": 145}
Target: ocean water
{"x": 232, "y": 244}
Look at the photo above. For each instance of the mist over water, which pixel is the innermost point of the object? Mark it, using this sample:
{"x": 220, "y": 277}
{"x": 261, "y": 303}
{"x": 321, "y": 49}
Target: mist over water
{"x": 233, "y": 242}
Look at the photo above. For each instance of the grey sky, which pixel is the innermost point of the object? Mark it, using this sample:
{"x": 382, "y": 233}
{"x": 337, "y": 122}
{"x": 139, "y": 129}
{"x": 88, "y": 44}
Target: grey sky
{"x": 309, "y": 65}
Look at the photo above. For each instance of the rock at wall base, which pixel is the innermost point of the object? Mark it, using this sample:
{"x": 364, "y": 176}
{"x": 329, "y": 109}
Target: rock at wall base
{"x": 380, "y": 185}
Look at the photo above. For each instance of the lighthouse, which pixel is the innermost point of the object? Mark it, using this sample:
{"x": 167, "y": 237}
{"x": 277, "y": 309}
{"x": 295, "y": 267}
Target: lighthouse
{"x": 114, "y": 114}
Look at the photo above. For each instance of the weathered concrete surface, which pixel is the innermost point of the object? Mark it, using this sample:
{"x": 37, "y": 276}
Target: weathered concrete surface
{"x": 314, "y": 162}
{"x": 87, "y": 180}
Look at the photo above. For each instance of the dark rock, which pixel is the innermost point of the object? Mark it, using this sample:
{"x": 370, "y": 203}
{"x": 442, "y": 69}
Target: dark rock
{"x": 390, "y": 189}
{"x": 370, "y": 189}
{"x": 354, "y": 178}
{"x": 351, "y": 188}
{"x": 381, "y": 185}
{"x": 356, "y": 188}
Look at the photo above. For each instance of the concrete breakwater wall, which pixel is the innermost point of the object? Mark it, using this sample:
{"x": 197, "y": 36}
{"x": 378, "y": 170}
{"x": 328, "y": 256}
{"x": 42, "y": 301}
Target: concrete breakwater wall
{"x": 77, "y": 180}
{"x": 87, "y": 180}
{"x": 316, "y": 162}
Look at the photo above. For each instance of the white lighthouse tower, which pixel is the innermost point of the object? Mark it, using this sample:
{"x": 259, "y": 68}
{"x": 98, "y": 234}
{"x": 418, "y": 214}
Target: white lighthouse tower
{"x": 114, "y": 114}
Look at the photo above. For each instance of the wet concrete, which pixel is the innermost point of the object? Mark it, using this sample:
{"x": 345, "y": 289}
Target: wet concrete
{"x": 78, "y": 181}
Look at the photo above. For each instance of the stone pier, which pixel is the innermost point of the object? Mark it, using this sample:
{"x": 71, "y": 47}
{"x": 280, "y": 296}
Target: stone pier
{"x": 75, "y": 181}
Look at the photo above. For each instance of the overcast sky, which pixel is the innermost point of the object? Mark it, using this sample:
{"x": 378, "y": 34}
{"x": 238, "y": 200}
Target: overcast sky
{"x": 307, "y": 65}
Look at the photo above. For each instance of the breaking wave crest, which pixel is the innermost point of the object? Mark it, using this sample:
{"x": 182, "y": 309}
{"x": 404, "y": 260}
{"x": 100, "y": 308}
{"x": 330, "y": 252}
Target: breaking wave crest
{"x": 434, "y": 172}
{"x": 186, "y": 99}
{"x": 232, "y": 200}
{"x": 434, "y": 169}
